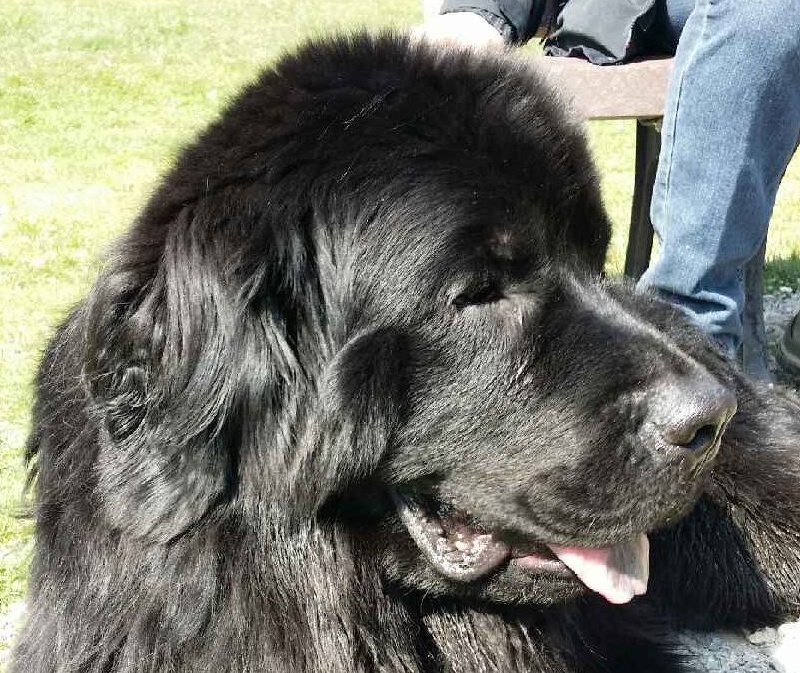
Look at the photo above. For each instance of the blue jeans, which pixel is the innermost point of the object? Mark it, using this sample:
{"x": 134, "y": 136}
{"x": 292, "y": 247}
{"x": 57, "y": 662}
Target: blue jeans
{"x": 731, "y": 125}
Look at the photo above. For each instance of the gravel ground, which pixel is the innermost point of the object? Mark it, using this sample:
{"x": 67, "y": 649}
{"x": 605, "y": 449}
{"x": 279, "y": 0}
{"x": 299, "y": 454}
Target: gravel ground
{"x": 10, "y": 620}
{"x": 765, "y": 651}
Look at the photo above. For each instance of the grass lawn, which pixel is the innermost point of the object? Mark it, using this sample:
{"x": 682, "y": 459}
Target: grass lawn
{"x": 95, "y": 97}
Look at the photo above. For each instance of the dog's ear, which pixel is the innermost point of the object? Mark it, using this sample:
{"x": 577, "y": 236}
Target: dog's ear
{"x": 167, "y": 348}
{"x": 362, "y": 401}
{"x": 369, "y": 375}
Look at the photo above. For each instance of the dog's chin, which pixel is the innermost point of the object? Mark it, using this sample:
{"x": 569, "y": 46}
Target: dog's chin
{"x": 469, "y": 557}
{"x": 509, "y": 584}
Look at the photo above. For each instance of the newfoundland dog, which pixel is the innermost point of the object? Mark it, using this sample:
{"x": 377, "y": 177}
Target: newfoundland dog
{"x": 351, "y": 395}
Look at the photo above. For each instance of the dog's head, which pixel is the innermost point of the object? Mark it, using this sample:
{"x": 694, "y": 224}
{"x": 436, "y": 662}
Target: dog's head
{"x": 369, "y": 295}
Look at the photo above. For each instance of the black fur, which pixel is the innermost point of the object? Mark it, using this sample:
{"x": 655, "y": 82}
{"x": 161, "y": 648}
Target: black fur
{"x": 377, "y": 273}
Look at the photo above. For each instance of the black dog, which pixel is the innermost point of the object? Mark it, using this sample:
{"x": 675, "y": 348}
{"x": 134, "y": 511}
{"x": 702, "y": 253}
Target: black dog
{"x": 350, "y": 396}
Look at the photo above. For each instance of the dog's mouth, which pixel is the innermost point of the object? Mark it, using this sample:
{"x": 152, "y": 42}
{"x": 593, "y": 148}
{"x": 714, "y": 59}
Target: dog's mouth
{"x": 463, "y": 550}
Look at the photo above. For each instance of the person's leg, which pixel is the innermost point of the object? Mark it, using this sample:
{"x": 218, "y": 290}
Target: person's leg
{"x": 731, "y": 125}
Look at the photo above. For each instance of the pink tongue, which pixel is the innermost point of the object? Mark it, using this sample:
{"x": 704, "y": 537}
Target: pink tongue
{"x": 618, "y": 573}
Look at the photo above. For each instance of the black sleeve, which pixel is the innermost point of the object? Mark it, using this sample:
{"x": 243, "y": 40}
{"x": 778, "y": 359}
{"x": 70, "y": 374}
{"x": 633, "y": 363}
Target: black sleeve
{"x": 517, "y": 20}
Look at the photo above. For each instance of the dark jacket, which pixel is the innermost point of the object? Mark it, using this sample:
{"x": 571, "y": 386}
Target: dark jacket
{"x": 602, "y": 31}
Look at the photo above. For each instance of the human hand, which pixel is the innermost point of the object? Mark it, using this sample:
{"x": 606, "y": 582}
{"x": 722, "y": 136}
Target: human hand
{"x": 460, "y": 29}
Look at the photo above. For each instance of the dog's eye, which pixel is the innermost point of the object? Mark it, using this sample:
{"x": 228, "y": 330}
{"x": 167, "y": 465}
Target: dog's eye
{"x": 483, "y": 294}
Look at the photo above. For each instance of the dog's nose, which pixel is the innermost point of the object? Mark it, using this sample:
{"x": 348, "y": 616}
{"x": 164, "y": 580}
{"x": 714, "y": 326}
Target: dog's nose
{"x": 690, "y": 414}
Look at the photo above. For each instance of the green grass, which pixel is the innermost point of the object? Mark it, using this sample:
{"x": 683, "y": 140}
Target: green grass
{"x": 96, "y": 96}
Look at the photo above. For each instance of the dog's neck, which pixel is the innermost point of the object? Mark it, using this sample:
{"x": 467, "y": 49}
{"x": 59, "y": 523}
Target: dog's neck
{"x": 354, "y": 623}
